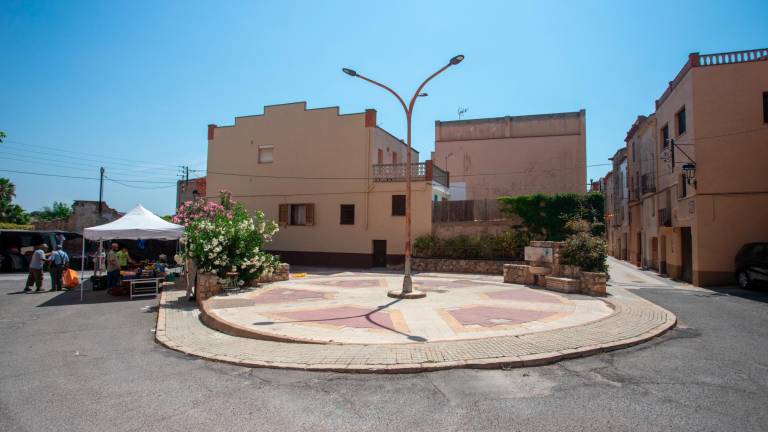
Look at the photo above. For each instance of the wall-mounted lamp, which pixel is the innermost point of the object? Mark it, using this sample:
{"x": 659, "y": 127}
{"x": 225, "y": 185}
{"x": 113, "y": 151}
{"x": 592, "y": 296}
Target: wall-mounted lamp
{"x": 689, "y": 171}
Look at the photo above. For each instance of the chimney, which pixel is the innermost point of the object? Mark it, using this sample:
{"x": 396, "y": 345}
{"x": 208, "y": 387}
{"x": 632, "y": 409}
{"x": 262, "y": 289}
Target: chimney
{"x": 370, "y": 118}
{"x": 211, "y": 127}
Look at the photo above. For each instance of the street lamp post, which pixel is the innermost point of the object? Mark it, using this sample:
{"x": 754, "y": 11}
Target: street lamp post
{"x": 407, "y": 291}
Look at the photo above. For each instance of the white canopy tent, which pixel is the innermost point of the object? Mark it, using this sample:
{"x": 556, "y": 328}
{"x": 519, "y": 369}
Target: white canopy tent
{"x": 139, "y": 223}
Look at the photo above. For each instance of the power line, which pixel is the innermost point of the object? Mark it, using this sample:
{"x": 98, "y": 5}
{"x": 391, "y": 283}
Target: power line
{"x": 139, "y": 187}
{"x": 49, "y": 175}
{"x": 50, "y": 161}
{"x": 83, "y": 178}
{"x": 58, "y": 149}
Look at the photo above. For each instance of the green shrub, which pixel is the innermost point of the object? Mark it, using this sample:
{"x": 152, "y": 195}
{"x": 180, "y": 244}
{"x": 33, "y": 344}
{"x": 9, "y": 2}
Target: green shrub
{"x": 546, "y": 215}
{"x": 427, "y": 245}
{"x": 585, "y": 251}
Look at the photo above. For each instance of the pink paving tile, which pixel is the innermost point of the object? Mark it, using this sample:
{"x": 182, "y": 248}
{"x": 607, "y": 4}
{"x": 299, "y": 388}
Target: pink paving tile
{"x": 429, "y": 284}
{"x": 357, "y": 283}
{"x": 524, "y": 294}
{"x": 487, "y": 316}
{"x": 285, "y": 295}
{"x": 343, "y": 317}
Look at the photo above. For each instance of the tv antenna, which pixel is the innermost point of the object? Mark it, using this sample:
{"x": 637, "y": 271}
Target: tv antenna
{"x": 461, "y": 111}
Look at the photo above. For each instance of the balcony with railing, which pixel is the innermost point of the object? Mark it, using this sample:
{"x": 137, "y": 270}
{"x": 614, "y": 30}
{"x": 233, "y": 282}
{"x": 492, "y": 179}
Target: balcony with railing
{"x": 665, "y": 217}
{"x": 647, "y": 184}
{"x": 423, "y": 171}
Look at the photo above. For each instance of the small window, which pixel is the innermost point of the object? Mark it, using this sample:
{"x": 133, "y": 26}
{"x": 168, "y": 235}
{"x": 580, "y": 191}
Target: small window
{"x": 394, "y": 157}
{"x": 297, "y": 214}
{"x": 265, "y": 154}
{"x": 665, "y": 136}
{"x": 347, "y": 214}
{"x": 682, "y": 186}
{"x": 380, "y": 158}
{"x": 398, "y": 205}
{"x": 633, "y": 151}
{"x": 680, "y": 116}
{"x": 765, "y": 107}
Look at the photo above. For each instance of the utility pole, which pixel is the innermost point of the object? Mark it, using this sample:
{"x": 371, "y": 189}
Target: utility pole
{"x": 101, "y": 188}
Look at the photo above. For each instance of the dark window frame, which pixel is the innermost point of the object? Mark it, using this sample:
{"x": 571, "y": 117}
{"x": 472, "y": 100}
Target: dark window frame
{"x": 679, "y": 123}
{"x": 665, "y": 136}
{"x": 346, "y": 214}
{"x": 398, "y": 205}
{"x": 765, "y": 107}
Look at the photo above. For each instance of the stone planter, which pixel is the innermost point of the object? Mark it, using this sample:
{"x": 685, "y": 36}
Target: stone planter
{"x": 207, "y": 286}
{"x": 593, "y": 283}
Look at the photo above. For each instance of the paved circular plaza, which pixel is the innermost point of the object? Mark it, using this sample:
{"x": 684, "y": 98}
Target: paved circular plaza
{"x": 356, "y": 310}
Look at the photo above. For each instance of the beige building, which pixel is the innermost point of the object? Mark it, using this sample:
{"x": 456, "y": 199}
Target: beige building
{"x": 513, "y": 155}
{"x": 710, "y": 195}
{"x": 641, "y": 174}
{"x": 335, "y": 183}
{"x": 616, "y": 207}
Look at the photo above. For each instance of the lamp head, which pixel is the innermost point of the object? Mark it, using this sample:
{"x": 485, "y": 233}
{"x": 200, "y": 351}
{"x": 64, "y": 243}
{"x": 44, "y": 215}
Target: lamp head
{"x": 423, "y": 94}
{"x": 349, "y": 72}
{"x": 457, "y": 59}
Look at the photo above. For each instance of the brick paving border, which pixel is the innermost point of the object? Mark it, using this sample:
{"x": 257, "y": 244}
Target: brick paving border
{"x": 635, "y": 320}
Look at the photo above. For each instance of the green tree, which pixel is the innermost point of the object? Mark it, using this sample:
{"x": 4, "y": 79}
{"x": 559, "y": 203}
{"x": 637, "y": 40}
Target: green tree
{"x": 59, "y": 210}
{"x": 2, "y": 136}
{"x": 10, "y": 212}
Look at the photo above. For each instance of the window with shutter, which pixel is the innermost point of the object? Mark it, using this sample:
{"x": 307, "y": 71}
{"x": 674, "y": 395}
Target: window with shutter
{"x": 283, "y": 212}
{"x": 398, "y": 205}
{"x": 310, "y": 214}
{"x": 347, "y": 216}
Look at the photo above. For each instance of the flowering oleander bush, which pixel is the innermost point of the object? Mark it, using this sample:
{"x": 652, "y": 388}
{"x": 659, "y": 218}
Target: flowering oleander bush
{"x": 224, "y": 237}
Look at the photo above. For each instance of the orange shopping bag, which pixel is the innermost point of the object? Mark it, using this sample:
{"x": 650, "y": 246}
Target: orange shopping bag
{"x": 70, "y": 279}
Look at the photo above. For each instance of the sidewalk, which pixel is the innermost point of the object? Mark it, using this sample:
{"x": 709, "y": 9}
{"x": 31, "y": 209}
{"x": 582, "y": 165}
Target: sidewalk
{"x": 635, "y": 320}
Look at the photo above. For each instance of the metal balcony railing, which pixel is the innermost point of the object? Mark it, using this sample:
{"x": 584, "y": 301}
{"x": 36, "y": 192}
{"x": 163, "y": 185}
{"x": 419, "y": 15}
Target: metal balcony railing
{"x": 647, "y": 184}
{"x": 423, "y": 171}
{"x": 665, "y": 217}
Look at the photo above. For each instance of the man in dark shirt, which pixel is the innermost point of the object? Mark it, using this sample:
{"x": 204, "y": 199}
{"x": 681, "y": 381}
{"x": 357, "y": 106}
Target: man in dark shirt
{"x": 58, "y": 261}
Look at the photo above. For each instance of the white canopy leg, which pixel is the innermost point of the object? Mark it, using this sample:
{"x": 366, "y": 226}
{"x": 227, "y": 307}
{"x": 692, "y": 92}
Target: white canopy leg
{"x": 82, "y": 270}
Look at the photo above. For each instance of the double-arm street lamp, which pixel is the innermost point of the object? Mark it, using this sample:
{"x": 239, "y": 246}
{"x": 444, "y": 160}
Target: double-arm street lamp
{"x": 407, "y": 291}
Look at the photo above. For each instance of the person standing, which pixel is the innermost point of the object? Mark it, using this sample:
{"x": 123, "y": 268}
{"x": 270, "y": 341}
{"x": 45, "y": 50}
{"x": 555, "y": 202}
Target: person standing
{"x": 36, "y": 268}
{"x": 58, "y": 261}
{"x": 113, "y": 267}
{"x": 123, "y": 258}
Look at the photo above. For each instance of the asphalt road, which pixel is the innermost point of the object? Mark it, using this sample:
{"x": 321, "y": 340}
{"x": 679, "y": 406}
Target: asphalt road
{"x": 66, "y": 366}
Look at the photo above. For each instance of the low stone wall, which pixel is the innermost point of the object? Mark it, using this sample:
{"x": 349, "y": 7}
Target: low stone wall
{"x": 571, "y": 279}
{"x": 593, "y": 283}
{"x": 458, "y": 265}
{"x": 208, "y": 283}
{"x": 518, "y": 274}
{"x": 281, "y": 274}
{"x": 562, "y": 284}
{"x": 207, "y": 286}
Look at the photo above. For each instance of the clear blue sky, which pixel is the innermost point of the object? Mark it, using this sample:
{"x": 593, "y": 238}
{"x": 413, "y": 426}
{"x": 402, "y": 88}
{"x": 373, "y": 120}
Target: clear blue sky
{"x": 132, "y": 85}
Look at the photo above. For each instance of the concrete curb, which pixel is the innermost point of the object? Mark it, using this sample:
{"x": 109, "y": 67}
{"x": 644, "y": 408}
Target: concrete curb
{"x": 178, "y": 342}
